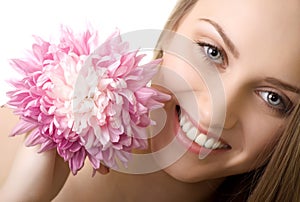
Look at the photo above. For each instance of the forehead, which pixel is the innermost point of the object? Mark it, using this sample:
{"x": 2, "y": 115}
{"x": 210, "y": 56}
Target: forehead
{"x": 266, "y": 33}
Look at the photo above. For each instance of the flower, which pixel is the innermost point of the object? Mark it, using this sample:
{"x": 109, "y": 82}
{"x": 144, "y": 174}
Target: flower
{"x": 85, "y": 102}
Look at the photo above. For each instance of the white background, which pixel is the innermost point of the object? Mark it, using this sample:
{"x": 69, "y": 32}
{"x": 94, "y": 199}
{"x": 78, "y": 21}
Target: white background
{"x": 20, "y": 19}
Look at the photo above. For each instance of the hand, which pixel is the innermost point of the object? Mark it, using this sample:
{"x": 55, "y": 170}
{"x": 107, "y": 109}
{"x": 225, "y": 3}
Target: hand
{"x": 103, "y": 169}
{"x": 34, "y": 176}
{"x": 30, "y": 176}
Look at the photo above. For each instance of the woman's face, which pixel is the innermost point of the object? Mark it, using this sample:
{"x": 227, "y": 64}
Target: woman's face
{"x": 255, "y": 46}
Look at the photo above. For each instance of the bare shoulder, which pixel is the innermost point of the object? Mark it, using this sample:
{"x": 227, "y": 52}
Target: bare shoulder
{"x": 87, "y": 188}
{"x": 8, "y": 145}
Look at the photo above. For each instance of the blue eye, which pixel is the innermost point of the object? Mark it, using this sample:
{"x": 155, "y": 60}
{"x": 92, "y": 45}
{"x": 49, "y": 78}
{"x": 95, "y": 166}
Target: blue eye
{"x": 214, "y": 54}
{"x": 276, "y": 101}
{"x": 271, "y": 98}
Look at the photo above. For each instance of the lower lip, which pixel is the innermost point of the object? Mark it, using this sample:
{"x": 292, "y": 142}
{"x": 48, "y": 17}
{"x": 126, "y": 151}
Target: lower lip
{"x": 191, "y": 145}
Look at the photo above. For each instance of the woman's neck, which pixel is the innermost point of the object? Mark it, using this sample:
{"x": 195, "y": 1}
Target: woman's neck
{"x": 157, "y": 186}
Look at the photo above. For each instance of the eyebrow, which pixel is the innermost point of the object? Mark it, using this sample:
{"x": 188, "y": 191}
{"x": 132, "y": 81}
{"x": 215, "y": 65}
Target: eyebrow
{"x": 283, "y": 85}
{"x": 225, "y": 38}
{"x": 236, "y": 54}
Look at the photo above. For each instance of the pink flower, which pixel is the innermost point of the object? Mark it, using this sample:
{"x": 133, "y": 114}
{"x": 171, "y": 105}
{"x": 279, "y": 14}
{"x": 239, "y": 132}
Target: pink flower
{"x": 84, "y": 103}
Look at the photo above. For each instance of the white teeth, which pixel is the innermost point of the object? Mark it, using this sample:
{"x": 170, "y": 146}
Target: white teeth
{"x": 182, "y": 120}
{"x": 209, "y": 143}
{"x": 192, "y": 133}
{"x": 216, "y": 145}
{"x": 201, "y": 139}
{"x": 224, "y": 146}
{"x": 186, "y": 127}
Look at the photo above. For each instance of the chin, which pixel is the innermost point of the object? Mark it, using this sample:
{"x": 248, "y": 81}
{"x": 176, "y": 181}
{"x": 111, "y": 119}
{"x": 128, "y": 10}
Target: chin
{"x": 186, "y": 175}
{"x": 188, "y": 169}
{"x": 181, "y": 176}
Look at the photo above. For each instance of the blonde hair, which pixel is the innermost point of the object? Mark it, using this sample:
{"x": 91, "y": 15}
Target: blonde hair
{"x": 278, "y": 179}
{"x": 281, "y": 179}
{"x": 180, "y": 10}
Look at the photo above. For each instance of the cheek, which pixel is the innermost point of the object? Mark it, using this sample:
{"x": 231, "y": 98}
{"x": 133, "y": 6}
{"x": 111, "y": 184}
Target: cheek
{"x": 165, "y": 136}
{"x": 187, "y": 73}
{"x": 259, "y": 139}
{"x": 186, "y": 84}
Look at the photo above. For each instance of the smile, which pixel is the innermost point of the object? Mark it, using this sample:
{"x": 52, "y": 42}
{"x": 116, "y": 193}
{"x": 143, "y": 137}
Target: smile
{"x": 195, "y": 134}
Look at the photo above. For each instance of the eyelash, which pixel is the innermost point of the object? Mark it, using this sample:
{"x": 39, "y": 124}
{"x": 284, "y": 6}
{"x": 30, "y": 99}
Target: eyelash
{"x": 222, "y": 53}
{"x": 286, "y": 104}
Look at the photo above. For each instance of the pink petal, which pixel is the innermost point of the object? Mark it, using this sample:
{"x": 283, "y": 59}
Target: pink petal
{"x": 77, "y": 161}
{"x": 34, "y": 138}
{"x": 47, "y": 145}
{"x": 22, "y": 127}
{"x": 95, "y": 162}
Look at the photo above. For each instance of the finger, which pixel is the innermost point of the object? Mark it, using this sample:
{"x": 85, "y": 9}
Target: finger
{"x": 103, "y": 169}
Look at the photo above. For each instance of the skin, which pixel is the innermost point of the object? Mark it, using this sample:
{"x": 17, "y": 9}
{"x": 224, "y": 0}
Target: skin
{"x": 265, "y": 49}
{"x": 243, "y": 76}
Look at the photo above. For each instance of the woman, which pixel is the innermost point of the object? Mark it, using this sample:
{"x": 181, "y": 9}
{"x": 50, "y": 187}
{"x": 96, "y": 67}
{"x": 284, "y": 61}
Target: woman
{"x": 254, "y": 45}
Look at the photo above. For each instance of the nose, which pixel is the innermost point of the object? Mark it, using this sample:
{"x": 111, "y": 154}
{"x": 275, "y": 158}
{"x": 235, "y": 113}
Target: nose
{"x": 222, "y": 109}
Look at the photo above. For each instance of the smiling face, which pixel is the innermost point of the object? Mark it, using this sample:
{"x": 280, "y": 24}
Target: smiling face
{"x": 255, "y": 47}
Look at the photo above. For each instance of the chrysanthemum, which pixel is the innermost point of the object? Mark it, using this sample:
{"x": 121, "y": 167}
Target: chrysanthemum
{"x": 85, "y": 102}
